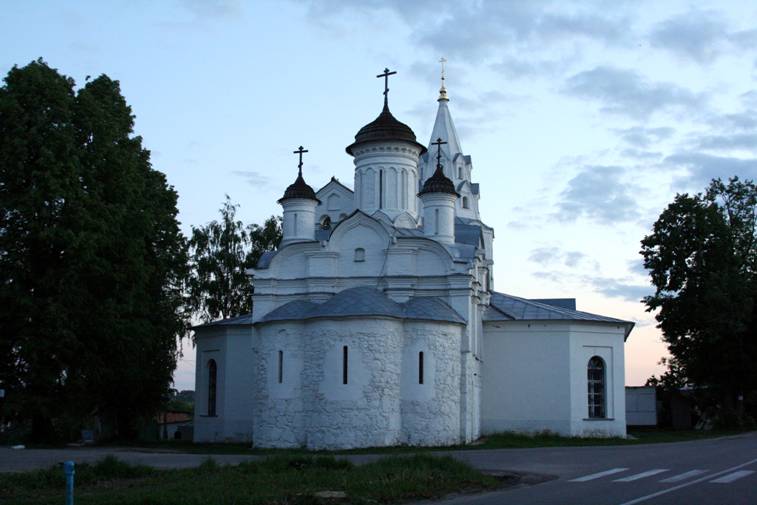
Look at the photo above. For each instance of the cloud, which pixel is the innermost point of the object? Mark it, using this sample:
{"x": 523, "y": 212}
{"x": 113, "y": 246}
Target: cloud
{"x": 213, "y": 8}
{"x": 702, "y": 168}
{"x": 727, "y": 142}
{"x": 619, "y": 288}
{"x": 552, "y": 255}
{"x": 699, "y": 35}
{"x": 599, "y": 192}
{"x": 640, "y": 154}
{"x": 625, "y": 92}
{"x": 643, "y": 137}
{"x": 252, "y": 177}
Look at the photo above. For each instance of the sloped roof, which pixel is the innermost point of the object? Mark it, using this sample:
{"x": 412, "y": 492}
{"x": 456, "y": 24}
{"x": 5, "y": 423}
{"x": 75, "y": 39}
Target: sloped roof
{"x": 513, "y": 308}
{"x": 384, "y": 128}
{"x": 242, "y": 320}
{"x": 365, "y": 301}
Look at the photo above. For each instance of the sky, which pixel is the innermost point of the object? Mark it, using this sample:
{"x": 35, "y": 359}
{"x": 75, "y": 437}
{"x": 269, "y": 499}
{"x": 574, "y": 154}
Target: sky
{"x": 583, "y": 119}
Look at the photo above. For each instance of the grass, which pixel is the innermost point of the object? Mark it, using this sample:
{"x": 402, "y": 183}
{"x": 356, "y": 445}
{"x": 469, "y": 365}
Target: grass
{"x": 505, "y": 440}
{"x": 275, "y": 480}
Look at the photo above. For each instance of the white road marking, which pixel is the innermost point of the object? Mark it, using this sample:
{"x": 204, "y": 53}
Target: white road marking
{"x": 687, "y": 484}
{"x": 683, "y": 476}
{"x": 599, "y": 475}
{"x": 642, "y": 475}
{"x": 727, "y": 479}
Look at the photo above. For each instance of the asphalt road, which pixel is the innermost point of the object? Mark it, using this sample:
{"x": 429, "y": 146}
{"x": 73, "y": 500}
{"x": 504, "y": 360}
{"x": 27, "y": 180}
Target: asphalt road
{"x": 713, "y": 472}
{"x": 708, "y": 472}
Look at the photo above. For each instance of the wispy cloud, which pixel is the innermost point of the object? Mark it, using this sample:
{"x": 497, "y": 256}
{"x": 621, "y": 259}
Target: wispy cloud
{"x": 601, "y": 193}
{"x": 252, "y": 177}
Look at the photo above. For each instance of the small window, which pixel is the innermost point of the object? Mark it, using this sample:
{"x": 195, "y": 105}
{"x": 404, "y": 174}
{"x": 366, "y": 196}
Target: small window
{"x": 345, "y": 363}
{"x": 420, "y": 367}
{"x": 325, "y": 223}
{"x": 359, "y": 254}
{"x": 465, "y": 202}
{"x": 294, "y": 225}
{"x": 212, "y": 380}
{"x": 436, "y": 221}
{"x": 459, "y": 172}
{"x": 281, "y": 367}
{"x": 597, "y": 381}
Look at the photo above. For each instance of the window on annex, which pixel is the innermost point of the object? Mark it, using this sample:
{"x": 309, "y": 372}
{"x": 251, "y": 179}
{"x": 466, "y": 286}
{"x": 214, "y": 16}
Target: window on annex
{"x": 212, "y": 381}
{"x": 465, "y": 202}
{"x": 596, "y": 375}
{"x": 325, "y": 223}
{"x": 359, "y": 254}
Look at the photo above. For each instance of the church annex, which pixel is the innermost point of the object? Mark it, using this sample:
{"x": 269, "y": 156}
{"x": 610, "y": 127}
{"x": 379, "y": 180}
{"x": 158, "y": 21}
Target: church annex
{"x": 376, "y": 321}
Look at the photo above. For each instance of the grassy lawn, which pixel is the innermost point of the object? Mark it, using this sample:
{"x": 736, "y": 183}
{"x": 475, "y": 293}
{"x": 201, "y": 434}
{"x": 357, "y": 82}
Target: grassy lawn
{"x": 498, "y": 441}
{"x": 275, "y": 480}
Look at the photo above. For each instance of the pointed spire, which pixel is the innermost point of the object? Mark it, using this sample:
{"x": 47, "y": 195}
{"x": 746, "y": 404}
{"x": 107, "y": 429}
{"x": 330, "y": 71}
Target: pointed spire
{"x": 443, "y": 90}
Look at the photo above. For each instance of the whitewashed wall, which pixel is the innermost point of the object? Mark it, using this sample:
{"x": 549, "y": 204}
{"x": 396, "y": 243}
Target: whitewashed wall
{"x": 535, "y": 377}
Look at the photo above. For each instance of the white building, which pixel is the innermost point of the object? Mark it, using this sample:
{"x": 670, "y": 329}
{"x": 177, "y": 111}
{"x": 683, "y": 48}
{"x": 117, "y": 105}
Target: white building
{"x": 376, "y": 322}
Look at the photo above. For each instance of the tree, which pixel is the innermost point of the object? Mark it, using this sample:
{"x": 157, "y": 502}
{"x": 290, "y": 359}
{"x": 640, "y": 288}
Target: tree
{"x": 220, "y": 252}
{"x": 92, "y": 262}
{"x": 702, "y": 259}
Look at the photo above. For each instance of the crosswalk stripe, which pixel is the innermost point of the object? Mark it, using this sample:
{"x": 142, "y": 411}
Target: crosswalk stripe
{"x": 642, "y": 475}
{"x": 683, "y": 476}
{"x": 599, "y": 475}
{"x": 727, "y": 479}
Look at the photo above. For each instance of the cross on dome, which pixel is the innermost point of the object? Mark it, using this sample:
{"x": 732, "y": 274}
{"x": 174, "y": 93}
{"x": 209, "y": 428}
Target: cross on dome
{"x": 439, "y": 143}
{"x": 443, "y": 89}
{"x": 300, "y": 151}
{"x": 386, "y": 75}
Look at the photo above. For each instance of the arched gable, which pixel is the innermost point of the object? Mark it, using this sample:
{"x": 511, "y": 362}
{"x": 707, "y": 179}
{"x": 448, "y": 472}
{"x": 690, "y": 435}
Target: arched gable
{"x": 359, "y": 243}
{"x": 405, "y": 220}
{"x": 357, "y": 226}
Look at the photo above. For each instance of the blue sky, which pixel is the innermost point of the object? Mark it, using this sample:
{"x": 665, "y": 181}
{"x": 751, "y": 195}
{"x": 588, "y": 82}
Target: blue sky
{"x": 583, "y": 119}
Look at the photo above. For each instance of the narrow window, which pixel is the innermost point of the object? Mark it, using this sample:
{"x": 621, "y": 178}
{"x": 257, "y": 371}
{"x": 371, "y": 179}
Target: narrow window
{"x": 359, "y": 255}
{"x": 436, "y": 221}
{"x": 381, "y": 190}
{"x": 459, "y": 172}
{"x": 596, "y": 381}
{"x": 420, "y": 367}
{"x": 295, "y": 225}
{"x": 281, "y": 367}
{"x": 212, "y": 376}
{"x": 465, "y": 202}
{"x": 345, "y": 361}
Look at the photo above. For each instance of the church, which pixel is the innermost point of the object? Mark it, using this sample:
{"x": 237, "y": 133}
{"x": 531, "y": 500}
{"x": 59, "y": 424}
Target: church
{"x": 376, "y": 322}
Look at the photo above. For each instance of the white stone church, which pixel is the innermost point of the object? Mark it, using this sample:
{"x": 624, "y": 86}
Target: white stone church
{"x": 376, "y": 322}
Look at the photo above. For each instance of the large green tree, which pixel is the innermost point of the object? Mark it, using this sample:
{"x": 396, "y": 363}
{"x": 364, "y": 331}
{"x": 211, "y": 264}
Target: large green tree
{"x": 92, "y": 261}
{"x": 702, "y": 259}
{"x": 220, "y": 252}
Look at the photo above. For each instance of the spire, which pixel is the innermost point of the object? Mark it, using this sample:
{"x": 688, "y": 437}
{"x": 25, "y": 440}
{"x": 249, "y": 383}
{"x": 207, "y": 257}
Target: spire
{"x": 445, "y": 128}
{"x": 443, "y": 90}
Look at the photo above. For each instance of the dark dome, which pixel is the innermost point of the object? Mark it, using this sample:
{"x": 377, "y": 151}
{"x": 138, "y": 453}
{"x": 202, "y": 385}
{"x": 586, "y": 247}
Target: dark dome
{"x": 385, "y": 127}
{"x": 438, "y": 183}
{"x": 299, "y": 189}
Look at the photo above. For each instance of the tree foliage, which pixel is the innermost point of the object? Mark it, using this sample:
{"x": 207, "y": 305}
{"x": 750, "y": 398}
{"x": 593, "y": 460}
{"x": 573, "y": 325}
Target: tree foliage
{"x": 92, "y": 262}
{"x": 220, "y": 253}
{"x": 702, "y": 259}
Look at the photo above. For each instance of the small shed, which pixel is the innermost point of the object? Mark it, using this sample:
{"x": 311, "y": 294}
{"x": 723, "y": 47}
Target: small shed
{"x": 641, "y": 406}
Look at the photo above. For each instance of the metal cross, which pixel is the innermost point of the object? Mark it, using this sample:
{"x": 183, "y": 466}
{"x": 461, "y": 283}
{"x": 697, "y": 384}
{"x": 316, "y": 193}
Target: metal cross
{"x": 300, "y": 151}
{"x": 439, "y": 142}
{"x": 442, "y": 61}
{"x": 386, "y": 75}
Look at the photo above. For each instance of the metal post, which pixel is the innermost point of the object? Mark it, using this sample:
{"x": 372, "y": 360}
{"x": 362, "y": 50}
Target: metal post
{"x": 68, "y": 469}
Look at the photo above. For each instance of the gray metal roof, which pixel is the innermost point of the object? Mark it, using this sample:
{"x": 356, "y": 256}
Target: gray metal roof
{"x": 242, "y": 320}
{"x": 512, "y": 308}
{"x": 365, "y": 301}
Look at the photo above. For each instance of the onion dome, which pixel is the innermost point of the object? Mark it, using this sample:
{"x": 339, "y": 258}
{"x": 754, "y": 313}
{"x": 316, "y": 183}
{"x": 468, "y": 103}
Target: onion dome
{"x": 299, "y": 189}
{"x": 385, "y": 128}
{"x": 438, "y": 183}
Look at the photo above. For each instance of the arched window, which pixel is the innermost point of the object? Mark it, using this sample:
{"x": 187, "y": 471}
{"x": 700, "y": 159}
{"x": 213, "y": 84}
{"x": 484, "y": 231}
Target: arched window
{"x": 212, "y": 381}
{"x": 596, "y": 375}
{"x": 325, "y": 222}
{"x": 436, "y": 221}
{"x": 465, "y": 202}
{"x": 359, "y": 254}
{"x": 459, "y": 172}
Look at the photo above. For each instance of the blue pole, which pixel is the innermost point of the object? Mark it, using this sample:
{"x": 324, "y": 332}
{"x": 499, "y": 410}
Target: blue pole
{"x": 68, "y": 469}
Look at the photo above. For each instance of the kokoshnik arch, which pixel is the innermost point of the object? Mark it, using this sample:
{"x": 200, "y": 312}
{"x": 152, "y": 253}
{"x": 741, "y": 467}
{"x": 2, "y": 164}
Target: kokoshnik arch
{"x": 376, "y": 321}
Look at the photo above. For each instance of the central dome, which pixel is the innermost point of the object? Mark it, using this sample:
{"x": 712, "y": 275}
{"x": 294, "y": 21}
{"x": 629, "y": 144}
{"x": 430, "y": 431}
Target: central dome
{"x": 384, "y": 128}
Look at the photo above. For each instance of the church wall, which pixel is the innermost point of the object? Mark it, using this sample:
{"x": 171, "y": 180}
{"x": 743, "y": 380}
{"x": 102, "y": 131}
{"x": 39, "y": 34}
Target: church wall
{"x": 607, "y": 342}
{"x": 229, "y": 347}
{"x": 431, "y": 411}
{"x": 526, "y": 378}
{"x": 279, "y": 406}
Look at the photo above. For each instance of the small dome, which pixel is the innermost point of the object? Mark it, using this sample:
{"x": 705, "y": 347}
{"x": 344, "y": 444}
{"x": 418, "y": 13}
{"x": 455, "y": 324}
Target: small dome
{"x": 299, "y": 189}
{"x": 385, "y": 127}
{"x": 438, "y": 183}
